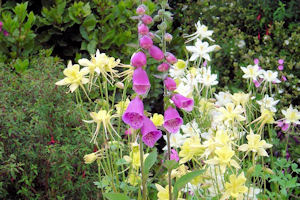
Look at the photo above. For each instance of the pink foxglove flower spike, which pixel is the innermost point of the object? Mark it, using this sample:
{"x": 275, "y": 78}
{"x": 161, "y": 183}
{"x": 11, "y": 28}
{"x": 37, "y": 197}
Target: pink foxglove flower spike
{"x": 134, "y": 114}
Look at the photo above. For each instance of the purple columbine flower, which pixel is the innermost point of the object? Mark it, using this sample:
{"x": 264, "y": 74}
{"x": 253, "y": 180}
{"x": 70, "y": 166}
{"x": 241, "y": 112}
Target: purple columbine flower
{"x": 141, "y": 10}
{"x": 163, "y": 67}
{"x": 174, "y": 155}
{"x": 256, "y": 61}
{"x": 138, "y": 59}
{"x": 156, "y": 53}
{"x": 183, "y": 102}
{"x": 280, "y": 61}
{"x": 134, "y": 114}
{"x": 283, "y": 78}
{"x": 170, "y": 84}
{"x": 146, "y": 42}
{"x": 146, "y": 19}
{"x": 280, "y": 67}
{"x": 150, "y": 134}
{"x": 173, "y": 121}
{"x": 143, "y": 29}
{"x": 141, "y": 84}
{"x": 170, "y": 58}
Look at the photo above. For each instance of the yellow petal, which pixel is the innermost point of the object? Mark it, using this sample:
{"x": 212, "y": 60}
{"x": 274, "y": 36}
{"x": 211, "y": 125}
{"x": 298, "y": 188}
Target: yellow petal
{"x": 73, "y": 87}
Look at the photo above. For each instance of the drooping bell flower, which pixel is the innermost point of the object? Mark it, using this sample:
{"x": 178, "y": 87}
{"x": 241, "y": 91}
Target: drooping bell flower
{"x": 141, "y": 84}
{"x": 134, "y": 114}
{"x": 146, "y": 19}
{"x": 150, "y": 135}
{"x": 163, "y": 67}
{"x": 183, "y": 102}
{"x": 146, "y": 42}
{"x": 171, "y": 58}
{"x": 156, "y": 53}
{"x": 138, "y": 59}
{"x": 140, "y": 10}
{"x": 170, "y": 84}
{"x": 143, "y": 29}
{"x": 173, "y": 121}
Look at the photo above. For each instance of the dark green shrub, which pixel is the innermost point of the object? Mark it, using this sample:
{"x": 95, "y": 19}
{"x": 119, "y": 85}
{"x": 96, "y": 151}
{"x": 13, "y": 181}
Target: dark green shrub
{"x": 41, "y": 147}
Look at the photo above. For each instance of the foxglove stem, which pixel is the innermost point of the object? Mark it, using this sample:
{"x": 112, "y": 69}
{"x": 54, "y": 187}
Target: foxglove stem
{"x": 144, "y": 189}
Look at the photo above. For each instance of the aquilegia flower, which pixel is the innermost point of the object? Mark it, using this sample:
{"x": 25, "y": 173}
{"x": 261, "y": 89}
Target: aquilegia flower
{"x": 200, "y": 50}
{"x": 291, "y": 115}
{"x": 173, "y": 121}
{"x": 182, "y": 102}
{"x": 134, "y": 114}
{"x": 150, "y": 134}
{"x": 251, "y": 72}
{"x": 141, "y": 84}
{"x": 235, "y": 187}
{"x": 268, "y": 103}
{"x": 201, "y": 32}
{"x": 74, "y": 77}
{"x": 270, "y": 76}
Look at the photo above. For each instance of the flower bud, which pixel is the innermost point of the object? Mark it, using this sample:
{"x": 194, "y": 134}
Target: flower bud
{"x": 146, "y": 19}
{"x": 143, "y": 29}
{"x": 119, "y": 85}
{"x": 268, "y": 170}
{"x": 170, "y": 84}
{"x": 141, "y": 10}
{"x": 138, "y": 59}
{"x": 146, "y": 42}
{"x": 170, "y": 58}
{"x": 163, "y": 67}
{"x": 156, "y": 53}
{"x": 168, "y": 37}
{"x": 90, "y": 158}
{"x": 151, "y": 35}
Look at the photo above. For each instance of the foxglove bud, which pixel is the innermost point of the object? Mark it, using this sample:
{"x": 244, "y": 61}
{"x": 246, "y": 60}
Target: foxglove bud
{"x": 156, "y": 53}
{"x": 163, "y": 67}
{"x": 141, "y": 10}
{"x": 146, "y": 19}
{"x": 141, "y": 84}
{"x": 143, "y": 29}
{"x": 171, "y": 58}
{"x": 168, "y": 37}
{"x": 170, "y": 84}
{"x": 138, "y": 59}
{"x": 146, "y": 42}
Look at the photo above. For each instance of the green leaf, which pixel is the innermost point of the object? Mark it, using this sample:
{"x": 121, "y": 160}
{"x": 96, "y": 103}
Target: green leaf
{"x": 149, "y": 161}
{"x": 90, "y": 22}
{"x": 91, "y": 47}
{"x": 171, "y": 164}
{"x": 20, "y": 11}
{"x": 185, "y": 180}
{"x": 116, "y": 196}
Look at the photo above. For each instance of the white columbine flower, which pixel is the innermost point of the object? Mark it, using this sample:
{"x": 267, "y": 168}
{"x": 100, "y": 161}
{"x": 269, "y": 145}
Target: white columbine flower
{"x": 185, "y": 89}
{"x": 201, "y": 49}
{"x": 291, "y": 115}
{"x": 223, "y": 98}
{"x": 206, "y": 78}
{"x": 268, "y": 103}
{"x": 270, "y": 76}
{"x": 191, "y": 129}
{"x": 251, "y": 72}
{"x": 252, "y": 193}
{"x": 176, "y": 140}
{"x": 201, "y": 32}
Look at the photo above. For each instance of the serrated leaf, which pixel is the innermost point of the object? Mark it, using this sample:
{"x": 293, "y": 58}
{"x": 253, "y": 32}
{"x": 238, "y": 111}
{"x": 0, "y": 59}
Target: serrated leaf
{"x": 180, "y": 183}
{"x": 116, "y": 196}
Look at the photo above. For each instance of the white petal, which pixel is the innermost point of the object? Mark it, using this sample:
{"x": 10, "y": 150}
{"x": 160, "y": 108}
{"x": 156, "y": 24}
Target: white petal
{"x": 73, "y": 87}
{"x": 84, "y": 62}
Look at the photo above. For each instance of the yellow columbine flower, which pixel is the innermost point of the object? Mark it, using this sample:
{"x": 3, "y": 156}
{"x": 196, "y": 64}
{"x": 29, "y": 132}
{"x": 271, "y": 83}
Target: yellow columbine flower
{"x": 205, "y": 105}
{"x": 236, "y": 187}
{"x": 102, "y": 117}
{"x": 291, "y": 115}
{"x": 265, "y": 118}
{"x": 223, "y": 158}
{"x": 122, "y": 106}
{"x": 231, "y": 113}
{"x": 127, "y": 73}
{"x": 190, "y": 149}
{"x": 74, "y": 77}
{"x": 90, "y": 158}
{"x": 157, "y": 119}
{"x": 240, "y": 98}
{"x": 163, "y": 193}
{"x": 255, "y": 144}
{"x": 134, "y": 156}
{"x": 181, "y": 64}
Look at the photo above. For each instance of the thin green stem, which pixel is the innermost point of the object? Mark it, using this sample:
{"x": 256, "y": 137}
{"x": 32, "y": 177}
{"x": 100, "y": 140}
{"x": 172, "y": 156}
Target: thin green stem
{"x": 144, "y": 189}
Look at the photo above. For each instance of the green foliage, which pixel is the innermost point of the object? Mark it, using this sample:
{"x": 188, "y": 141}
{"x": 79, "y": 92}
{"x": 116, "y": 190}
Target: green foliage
{"x": 41, "y": 146}
{"x": 19, "y": 43}
{"x": 116, "y": 196}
